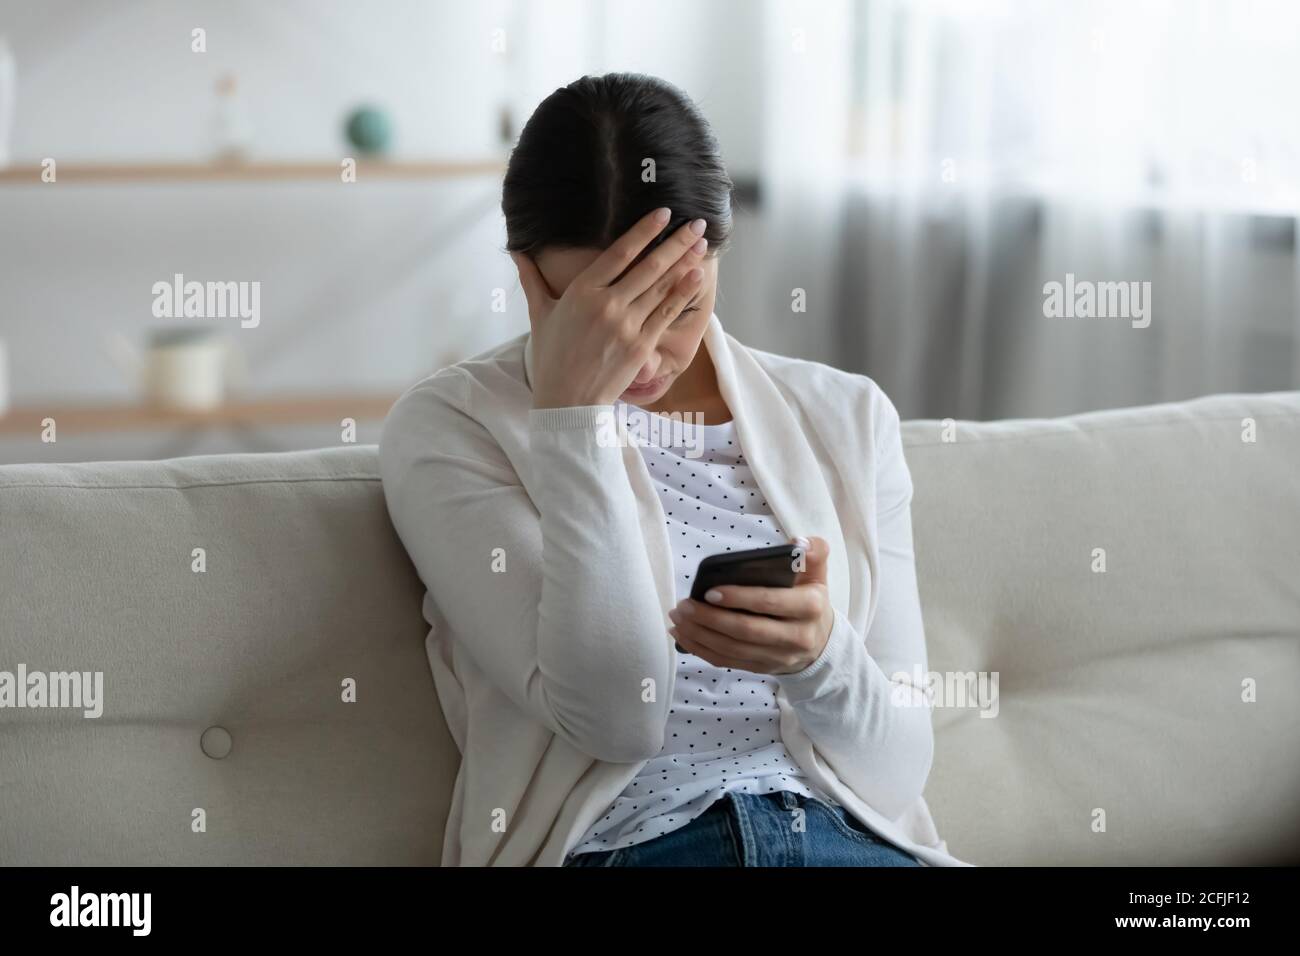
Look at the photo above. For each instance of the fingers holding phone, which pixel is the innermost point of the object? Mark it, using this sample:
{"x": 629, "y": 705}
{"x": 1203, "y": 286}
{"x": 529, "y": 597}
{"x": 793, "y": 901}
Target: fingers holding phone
{"x": 766, "y": 611}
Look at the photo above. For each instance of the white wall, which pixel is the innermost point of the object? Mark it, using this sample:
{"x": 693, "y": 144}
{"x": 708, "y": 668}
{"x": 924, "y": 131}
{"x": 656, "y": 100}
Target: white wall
{"x": 366, "y": 286}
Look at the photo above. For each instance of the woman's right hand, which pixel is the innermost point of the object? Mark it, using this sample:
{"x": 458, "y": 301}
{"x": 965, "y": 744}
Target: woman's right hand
{"x": 589, "y": 344}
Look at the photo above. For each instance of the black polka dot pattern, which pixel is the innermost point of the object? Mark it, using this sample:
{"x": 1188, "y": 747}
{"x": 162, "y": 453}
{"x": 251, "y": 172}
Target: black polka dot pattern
{"x": 723, "y": 731}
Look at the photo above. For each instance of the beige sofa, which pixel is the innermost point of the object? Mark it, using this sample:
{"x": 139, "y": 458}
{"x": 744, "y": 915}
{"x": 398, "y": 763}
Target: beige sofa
{"x": 1119, "y": 732}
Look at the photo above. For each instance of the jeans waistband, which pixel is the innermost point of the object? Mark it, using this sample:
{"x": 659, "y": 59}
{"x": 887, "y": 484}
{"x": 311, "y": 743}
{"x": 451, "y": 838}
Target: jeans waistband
{"x": 785, "y": 799}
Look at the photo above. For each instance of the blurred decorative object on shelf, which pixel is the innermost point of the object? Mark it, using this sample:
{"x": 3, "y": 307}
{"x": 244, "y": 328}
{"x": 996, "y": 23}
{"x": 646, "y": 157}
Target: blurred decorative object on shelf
{"x": 4, "y": 378}
{"x": 506, "y": 125}
{"x": 234, "y": 131}
{"x": 8, "y": 99}
{"x": 184, "y": 368}
{"x": 369, "y": 129}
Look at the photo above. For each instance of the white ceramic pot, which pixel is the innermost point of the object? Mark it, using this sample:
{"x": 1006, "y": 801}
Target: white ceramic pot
{"x": 184, "y": 369}
{"x": 190, "y": 377}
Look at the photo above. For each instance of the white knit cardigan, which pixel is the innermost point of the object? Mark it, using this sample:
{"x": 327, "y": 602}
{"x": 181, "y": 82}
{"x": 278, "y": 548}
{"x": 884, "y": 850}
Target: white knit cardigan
{"x": 555, "y": 674}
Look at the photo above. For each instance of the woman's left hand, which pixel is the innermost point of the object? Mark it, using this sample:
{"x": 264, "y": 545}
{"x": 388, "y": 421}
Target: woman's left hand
{"x": 789, "y": 640}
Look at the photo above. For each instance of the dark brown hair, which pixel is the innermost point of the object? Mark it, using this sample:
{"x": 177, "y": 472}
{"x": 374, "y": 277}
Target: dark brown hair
{"x": 574, "y": 179}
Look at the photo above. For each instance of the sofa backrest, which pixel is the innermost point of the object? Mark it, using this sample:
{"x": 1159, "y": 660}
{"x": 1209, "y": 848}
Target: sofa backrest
{"x": 1118, "y": 691}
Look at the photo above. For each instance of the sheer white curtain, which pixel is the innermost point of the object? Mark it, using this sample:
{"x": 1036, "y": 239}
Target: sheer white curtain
{"x": 805, "y": 95}
{"x": 993, "y": 147}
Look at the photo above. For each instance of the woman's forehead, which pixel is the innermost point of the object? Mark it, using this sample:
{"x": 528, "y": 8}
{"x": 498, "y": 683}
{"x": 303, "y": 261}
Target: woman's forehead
{"x": 560, "y": 266}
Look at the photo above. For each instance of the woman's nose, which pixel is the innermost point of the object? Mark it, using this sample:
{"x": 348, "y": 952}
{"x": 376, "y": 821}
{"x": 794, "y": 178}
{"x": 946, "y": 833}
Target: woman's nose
{"x": 646, "y": 374}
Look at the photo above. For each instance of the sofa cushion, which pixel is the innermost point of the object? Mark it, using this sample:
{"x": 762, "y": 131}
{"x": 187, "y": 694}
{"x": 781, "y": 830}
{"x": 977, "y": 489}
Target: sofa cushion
{"x": 305, "y": 586}
{"x": 1119, "y": 691}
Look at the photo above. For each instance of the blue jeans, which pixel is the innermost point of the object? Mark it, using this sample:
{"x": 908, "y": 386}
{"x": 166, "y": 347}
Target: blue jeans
{"x": 744, "y": 829}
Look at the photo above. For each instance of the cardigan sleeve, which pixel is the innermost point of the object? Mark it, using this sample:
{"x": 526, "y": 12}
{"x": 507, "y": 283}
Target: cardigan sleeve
{"x": 546, "y": 593}
{"x": 859, "y": 701}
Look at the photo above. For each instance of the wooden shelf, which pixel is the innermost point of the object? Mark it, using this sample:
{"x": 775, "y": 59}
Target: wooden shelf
{"x": 77, "y": 420}
{"x": 251, "y": 172}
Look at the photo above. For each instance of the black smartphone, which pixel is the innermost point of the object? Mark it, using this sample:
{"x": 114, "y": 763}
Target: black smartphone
{"x": 760, "y": 567}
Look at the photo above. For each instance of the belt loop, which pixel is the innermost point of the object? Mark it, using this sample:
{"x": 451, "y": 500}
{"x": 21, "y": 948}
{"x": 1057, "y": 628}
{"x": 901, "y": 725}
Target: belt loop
{"x": 788, "y": 800}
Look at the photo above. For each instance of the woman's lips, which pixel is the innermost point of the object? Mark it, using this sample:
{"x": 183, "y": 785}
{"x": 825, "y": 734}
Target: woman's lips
{"x": 650, "y": 386}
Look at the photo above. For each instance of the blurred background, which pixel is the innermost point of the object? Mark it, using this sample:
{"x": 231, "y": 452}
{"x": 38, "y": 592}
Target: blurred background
{"x": 910, "y": 173}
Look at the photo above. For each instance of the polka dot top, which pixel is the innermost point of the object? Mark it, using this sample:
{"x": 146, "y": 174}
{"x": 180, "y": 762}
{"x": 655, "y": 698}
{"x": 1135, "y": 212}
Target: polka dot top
{"x": 723, "y": 730}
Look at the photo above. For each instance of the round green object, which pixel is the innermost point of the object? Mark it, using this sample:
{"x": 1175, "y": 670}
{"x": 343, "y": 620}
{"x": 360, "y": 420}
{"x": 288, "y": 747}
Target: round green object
{"x": 369, "y": 129}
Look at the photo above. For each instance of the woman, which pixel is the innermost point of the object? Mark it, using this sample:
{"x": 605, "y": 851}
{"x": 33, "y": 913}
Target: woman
{"x": 603, "y": 717}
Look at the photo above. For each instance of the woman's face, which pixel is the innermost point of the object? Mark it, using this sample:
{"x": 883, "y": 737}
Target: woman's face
{"x": 678, "y": 344}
